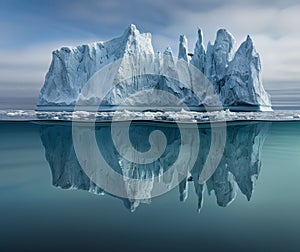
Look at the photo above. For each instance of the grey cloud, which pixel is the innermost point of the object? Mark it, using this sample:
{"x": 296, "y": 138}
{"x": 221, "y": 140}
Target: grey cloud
{"x": 272, "y": 24}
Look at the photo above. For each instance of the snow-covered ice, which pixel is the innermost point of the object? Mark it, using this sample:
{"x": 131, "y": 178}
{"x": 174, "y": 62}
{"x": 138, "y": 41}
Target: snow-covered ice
{"x": 234, "y": 76}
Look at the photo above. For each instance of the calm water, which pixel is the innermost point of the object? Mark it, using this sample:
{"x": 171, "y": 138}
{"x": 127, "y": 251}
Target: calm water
{"x": 261, "y": 162}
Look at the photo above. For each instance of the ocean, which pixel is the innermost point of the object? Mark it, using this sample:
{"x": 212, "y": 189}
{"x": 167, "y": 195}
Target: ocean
{"x": 52, "y": 201}
{"x": 250, "y": 203}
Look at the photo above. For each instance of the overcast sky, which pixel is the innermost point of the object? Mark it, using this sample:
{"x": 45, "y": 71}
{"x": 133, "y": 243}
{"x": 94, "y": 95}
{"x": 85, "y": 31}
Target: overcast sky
{"x": 30, "y": 30}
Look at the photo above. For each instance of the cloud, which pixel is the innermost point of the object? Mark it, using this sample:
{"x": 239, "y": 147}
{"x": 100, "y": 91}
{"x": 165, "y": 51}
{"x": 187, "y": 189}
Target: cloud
{"x": 32, "y": 29}
{"x": 23, "y": 70}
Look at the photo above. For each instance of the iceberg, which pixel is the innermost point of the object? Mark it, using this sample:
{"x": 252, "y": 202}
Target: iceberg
{"x": 234, "y": 76}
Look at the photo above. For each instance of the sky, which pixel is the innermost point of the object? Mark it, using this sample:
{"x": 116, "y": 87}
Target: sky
{"x": 30, "y": 30}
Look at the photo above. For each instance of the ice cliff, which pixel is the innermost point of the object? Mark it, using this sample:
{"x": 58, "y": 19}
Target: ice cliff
{"x": 235, "y": 76}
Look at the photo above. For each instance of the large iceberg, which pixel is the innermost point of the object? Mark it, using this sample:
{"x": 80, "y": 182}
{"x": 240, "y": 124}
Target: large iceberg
{"x": 235, "y": 77}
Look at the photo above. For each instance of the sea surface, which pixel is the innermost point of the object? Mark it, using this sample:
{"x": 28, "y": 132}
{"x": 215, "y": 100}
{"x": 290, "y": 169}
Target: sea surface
{"x": 250, "y": 203}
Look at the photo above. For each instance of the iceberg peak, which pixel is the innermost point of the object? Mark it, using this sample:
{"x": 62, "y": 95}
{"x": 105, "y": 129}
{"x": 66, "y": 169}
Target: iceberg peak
{"x": 183, "y": 48}
{"x": 131, "y": 30}
{"x": 248, "y": 46}
{"x": 200, "y": 36}
{"x": 223, "y": 51}
{"x": 249, "y": 38}
{"x": 168, "y": 51}
{"x": 243, "y": 78}
{"x": 198, "y": 59}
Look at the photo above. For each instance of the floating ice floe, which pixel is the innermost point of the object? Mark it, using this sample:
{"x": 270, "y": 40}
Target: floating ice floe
{"x": 167, "y": 116}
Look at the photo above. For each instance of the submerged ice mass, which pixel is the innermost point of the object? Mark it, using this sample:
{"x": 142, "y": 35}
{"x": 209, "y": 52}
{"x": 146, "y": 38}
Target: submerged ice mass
{"x": 239, "y": 167}
{"x": 235, "y": 76}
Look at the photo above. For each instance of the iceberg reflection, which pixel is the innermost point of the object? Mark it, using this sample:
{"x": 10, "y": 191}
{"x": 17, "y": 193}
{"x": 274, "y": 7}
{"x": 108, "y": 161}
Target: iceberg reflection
{"x": 239, "y": 167}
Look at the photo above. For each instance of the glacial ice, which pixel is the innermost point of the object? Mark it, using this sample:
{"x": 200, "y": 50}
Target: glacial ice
{"x": 235, "y": 76}
{"x": 244, "y": 68}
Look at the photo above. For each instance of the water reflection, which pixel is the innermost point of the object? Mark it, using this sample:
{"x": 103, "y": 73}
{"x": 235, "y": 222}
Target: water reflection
{"x": 239, "y": 166}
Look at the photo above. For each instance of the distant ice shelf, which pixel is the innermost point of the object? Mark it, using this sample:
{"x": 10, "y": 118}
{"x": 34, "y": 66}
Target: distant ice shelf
{"x": 182, "y": 116}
